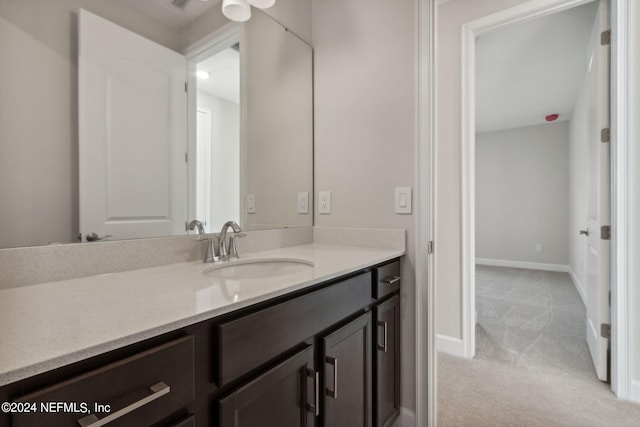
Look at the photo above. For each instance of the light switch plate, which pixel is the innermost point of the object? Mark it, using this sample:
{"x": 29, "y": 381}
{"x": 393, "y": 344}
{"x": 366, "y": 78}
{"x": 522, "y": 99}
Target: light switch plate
{"x": 324, "y": 202}
{"x": 303, "y": 202}
{"x": 251, "y": 203}
{"x": 403, "y": 200}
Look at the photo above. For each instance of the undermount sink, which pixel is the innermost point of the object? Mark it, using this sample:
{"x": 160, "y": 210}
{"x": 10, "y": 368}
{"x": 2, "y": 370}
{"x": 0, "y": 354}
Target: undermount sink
{"x": 258, "y": 268}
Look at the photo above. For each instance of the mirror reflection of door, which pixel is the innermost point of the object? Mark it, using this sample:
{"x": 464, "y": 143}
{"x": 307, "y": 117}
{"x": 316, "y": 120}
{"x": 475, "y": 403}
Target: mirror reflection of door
{"x": 218, "y": 138}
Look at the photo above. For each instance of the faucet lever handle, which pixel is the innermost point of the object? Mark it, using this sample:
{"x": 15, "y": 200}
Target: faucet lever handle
{"x": 233, "y": 251}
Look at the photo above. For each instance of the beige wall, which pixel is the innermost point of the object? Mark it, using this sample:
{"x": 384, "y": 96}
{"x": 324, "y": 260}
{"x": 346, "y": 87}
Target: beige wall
{"x": 365, "y": 91}
{"x": 522, "y": 194}
{"x": 451, "y": 16}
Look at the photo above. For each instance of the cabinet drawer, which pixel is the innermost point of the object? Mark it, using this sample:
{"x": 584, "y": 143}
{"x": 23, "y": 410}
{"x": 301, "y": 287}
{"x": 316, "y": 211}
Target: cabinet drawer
{"x": 388, "y": 279}
{"x": 139, "y": 390}
{"x": 248, "y": 342}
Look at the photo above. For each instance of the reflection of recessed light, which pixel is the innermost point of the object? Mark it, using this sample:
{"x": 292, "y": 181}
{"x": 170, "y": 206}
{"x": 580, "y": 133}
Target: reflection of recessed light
{"x": 203, "y": 74}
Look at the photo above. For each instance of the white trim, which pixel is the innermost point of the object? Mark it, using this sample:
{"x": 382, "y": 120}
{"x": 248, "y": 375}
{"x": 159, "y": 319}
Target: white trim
{"x": 523, "y": 264}
{"x": 467, "y": 204}
{"x": 620, "y": 352}
{"x": 579, "y": 286}
{"x": 451, "y": 345}
{"x": 426, "y": 101}
{"x": 634, "y": 394}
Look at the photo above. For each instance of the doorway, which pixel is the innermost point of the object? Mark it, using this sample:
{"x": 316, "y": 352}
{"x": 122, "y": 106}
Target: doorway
{"x": 593, "y": 202}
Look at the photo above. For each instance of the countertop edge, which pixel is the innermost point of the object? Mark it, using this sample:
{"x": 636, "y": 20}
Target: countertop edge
{"x": 13, "y": 375}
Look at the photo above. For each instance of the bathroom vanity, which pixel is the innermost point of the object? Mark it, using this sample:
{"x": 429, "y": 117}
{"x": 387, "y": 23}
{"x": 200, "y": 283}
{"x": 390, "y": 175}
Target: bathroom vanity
{"x": 316, "y": 346}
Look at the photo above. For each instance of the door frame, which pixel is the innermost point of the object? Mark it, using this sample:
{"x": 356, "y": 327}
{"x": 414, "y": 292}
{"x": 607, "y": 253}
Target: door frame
{"x": 620, "y": 380}
{"x": 425, "y": 222}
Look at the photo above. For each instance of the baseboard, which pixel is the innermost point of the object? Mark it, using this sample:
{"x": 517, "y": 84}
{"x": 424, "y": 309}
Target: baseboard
{"x": 407, "y": 418}
{"x": 523, "y": 264}
{"x": 634, "y": 394}
{"x": 579, "y": 287}
{"x": 450, "y": 345}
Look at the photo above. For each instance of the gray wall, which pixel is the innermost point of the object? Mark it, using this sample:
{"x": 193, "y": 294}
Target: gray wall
{"x": 522, "y": 194}
{"x": 365, "y": 120}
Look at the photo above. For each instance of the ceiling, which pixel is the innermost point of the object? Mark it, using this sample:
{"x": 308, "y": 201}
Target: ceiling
{"x": 168, "y": 14}
{"x": 528, "y": 70}
{"x": 224, "y": 68}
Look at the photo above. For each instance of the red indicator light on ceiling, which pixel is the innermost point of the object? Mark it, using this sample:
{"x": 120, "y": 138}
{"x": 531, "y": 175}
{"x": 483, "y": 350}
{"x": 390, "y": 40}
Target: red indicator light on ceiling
{"x": 552, "y": 117}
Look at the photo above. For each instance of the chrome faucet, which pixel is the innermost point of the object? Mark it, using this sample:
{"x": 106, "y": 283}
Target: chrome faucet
{"x": 229, "y": 251}
{"x": 212, "y": 254}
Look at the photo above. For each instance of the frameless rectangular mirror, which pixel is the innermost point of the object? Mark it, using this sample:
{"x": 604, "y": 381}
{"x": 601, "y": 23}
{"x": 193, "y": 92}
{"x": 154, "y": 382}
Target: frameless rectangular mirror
{"x": 247, "y": 158}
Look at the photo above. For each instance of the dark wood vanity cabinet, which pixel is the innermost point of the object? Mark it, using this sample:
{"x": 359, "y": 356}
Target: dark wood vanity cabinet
{"x": 387, "y": 361}
{"x": 328, "y": 355}
{"x": 285, "y": 395}
{"x": 347, "y": 374}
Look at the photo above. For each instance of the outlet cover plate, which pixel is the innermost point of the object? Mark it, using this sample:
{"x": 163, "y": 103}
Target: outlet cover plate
{"x": 324, "y": 202}
{"x": 303, "y": 202}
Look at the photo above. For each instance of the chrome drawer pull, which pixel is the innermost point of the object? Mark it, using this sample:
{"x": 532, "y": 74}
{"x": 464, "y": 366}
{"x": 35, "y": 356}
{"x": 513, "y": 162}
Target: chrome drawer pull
{"x": 391, "y": 279}
{"x": 158, "y": 390}
{"x": 383, "y": 347}
{"x": 316, "y": 406}
{"x": 333, "y": 361}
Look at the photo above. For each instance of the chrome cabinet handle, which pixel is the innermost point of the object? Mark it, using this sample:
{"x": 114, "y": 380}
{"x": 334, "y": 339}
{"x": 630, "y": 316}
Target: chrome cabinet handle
{"x": 157, "y": 390}
{"x": 315, "y": 408}
{"x": 585, "y": 231}
{"x": 391, "y": 279}
{"x": 333, "y": 361}
{"x": 383, "y": 347}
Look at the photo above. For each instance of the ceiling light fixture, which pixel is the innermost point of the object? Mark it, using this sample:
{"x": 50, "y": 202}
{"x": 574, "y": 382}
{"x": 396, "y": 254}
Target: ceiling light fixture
{"x": 240, "y": 10}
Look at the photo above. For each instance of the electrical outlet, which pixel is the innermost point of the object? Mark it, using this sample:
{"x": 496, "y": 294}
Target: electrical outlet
{"x": 324, "y": 200}
{"x": 251, "y": 203}
{"x": 539, "y": 248}
{"x": 303, "y": 202}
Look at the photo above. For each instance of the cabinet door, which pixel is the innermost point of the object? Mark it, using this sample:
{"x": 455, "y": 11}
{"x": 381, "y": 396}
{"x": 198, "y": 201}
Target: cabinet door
{"x": 387, "y": 360}
{"x": 347, "y": 375}
{"x": 283, "y": 396}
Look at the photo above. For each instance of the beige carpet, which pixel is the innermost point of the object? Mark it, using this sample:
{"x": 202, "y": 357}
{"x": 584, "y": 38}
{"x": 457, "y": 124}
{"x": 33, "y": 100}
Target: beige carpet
{"x": 532, "y": 365}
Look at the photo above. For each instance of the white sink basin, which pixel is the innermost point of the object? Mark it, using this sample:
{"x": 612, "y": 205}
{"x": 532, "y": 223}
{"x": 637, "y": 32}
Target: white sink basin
{"x": 258, "y": 268}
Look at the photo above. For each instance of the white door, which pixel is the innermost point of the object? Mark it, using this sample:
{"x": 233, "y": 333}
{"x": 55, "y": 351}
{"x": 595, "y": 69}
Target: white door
{"x": 598, "y": 245}
{"x": 132, "y": 133}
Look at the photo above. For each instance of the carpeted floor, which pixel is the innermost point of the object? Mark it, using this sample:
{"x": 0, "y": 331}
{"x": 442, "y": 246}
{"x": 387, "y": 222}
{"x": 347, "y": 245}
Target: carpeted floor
{"x": 532, "y": 365}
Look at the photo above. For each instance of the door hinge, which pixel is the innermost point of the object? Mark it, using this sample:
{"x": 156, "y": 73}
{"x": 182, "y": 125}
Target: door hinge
{"x": 605, "y": 135}
{"x": 605, "y": 330}
{"x": 186, "y": 157}
{"x": 430, "y": 247}
{"x": 605, "y": 232}
{"x": 186, "y": 85}
{"x": 605, "y": 38}
{"x": 609, "y": 298}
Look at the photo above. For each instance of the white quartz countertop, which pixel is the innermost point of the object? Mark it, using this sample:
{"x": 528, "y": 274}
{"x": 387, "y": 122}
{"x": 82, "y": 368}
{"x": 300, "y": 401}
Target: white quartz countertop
{"x": 46, "y": 326}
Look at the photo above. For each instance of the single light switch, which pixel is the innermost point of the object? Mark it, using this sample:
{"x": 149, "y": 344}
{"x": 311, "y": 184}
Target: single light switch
{"x": 303, "y": 202}
{"x": 251, "y": 203}
{"x": 403, "y": 200}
